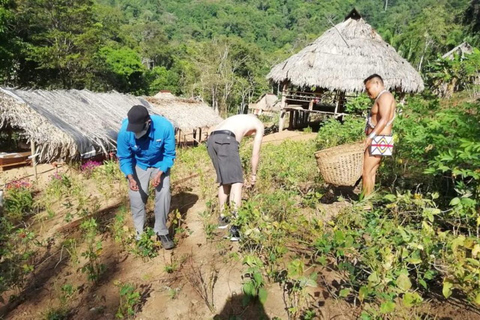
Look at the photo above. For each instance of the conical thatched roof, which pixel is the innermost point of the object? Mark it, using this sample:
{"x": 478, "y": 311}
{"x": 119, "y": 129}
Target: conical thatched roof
{"x": 343, "y": 57}
{"x": 185, "y": 114}
{"x": 65, "y": 124}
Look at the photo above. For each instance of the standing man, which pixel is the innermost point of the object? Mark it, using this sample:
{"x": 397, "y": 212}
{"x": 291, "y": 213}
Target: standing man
{"x": 223, "y": 146}
{"x": 146, "y": 150}
{"x": 379, "y": 122}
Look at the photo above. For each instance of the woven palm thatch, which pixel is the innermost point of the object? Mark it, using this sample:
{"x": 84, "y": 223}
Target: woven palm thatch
{"x": 185, "y": 114}
{"x": 267, "y": 103}
{"x": 65, "y": 124}
{"x": 343, "y": 57}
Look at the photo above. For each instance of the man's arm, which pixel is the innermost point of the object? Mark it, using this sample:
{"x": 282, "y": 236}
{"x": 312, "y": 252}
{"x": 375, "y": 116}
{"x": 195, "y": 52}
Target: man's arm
{"x": 124, "y": 154}
{"x": 168, "y": 154}
{"x": 168, "y": 148}
{"x": 257, "y": 143}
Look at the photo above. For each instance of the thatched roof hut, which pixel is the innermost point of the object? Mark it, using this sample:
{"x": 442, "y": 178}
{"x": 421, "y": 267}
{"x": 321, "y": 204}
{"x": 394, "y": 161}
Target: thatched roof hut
{"x": 185, "y": 114}
{"x": 343, "y": 57}
{"x": 267, "y": 104}
{"x": 462, "y": 49}
{"x": 66, "y": 124}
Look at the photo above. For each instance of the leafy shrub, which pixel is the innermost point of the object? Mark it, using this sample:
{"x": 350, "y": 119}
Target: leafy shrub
{"x": 358, "y": 105}
{"x": 18, "y": 200}
{"x": 334, "y": 133}
{"x": 289, "y": 166}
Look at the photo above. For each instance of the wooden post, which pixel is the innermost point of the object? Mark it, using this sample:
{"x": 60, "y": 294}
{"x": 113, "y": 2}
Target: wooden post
{"x": 200, "y": 135}
{"x": 195, "y": 143}
{"x": 34, "y": 158}
{"x": 281, "y": 121}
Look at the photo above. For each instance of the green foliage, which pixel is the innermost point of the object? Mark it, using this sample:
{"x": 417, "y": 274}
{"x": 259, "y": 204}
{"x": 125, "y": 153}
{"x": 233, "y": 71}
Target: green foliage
{"x": 253, "y": 285}
{"x": 147, "y": 245}
{"x": 334, "y": 133}
{"x": 129, "y": 299}
{"x": 448, "y": 75}
{"x": 93, "y": 268}
{"x": 218, "y": 50}
{"x": 358, "y": 105}
{"x": 291, "y": 170}
{"x": 17, "y": 248}
{"x": 19, "y": 203}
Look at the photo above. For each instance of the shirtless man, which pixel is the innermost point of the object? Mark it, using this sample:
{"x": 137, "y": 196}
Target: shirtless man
{"x": 223, "y": 144}
{"x": 379, "y": 122}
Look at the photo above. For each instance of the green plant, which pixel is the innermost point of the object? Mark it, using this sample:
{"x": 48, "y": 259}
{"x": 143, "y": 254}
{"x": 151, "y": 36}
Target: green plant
{"x": 294, "y": 283}
{"x": 333, "y": 133}
{"x": 253, "y": 285}
{"x": 92, "y": 267}
{"x": 129, "y": 299}
{"x": 358, "y": 105}
{"x": 19, "y": 200}
{"x": 147, "y": 245}
{"x": 119, "y": 229}
{"x": 173, "y": 265}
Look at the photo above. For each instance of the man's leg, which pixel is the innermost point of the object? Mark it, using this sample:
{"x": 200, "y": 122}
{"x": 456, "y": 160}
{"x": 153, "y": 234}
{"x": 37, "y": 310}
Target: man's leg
{"x": 236, "y": 196}
{"x": 370, "y": 166}
{"x": 138, "y": 199}
{"x": 162, "y": 207}
{"x": 162, "y": 203}
{"x": 223, "y": 194}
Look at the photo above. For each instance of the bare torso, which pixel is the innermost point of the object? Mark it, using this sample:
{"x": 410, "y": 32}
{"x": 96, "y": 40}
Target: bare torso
{"x": 388, "y": 105}
{"x": 241, "y": 125}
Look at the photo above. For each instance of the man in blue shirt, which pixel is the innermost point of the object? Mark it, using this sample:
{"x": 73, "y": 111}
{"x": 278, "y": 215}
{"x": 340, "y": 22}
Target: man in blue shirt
{"x": 146, "y": 150}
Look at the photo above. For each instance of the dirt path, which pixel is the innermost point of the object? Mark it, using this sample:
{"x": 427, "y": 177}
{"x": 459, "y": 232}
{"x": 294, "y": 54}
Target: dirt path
{"x": 279, "y": 137}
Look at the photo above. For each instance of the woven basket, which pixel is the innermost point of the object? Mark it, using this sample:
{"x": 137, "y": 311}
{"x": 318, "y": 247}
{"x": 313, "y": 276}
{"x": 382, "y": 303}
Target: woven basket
{"x": 341, "y": 165}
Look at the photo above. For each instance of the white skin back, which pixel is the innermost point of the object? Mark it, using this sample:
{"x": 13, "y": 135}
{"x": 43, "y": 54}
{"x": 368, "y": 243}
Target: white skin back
{"x": 244, "y": 125}
{"x": 241, "y": 125}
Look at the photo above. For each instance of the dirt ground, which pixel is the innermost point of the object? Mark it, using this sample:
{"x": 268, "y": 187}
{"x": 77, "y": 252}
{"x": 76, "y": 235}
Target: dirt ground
{"x": 177, "y": 295}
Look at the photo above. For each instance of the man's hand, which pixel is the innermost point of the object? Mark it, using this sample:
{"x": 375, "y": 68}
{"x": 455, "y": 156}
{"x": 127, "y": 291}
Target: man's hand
{"x": 253, "y": 179}
{"x": 132, "y": 183}
{"x": 367, "y": 143}
{"x": 157, "y": 179}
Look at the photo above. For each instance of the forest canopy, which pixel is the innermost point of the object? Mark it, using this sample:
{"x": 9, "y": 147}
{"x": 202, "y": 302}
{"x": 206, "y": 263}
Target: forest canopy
{"x": 219, "y": 50}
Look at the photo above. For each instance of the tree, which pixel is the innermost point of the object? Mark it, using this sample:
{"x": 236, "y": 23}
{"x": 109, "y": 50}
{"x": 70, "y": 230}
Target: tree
{"x": 59, "y": 42}
{"x": 8, "y": 47}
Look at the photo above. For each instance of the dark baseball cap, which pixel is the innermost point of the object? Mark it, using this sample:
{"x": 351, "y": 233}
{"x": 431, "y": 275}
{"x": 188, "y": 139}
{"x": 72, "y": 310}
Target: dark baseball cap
{"x": 137, "y": 117}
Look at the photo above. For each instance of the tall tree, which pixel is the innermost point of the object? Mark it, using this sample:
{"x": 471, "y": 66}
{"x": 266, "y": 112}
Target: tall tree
{"x": 8, "y": 43}
{"x": 60, "y": 39}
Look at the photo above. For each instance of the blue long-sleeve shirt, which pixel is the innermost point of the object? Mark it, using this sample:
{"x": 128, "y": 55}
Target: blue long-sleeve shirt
{"x": 156, "y": 150}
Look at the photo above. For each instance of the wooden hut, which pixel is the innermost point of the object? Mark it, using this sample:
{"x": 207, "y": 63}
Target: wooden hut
{"x": 66, "y": 124}
{"x": 268, "y": 104}
{"x": 319, "y": 77}
{"x": 192, "y": 117}
{"x": 461, "y": 50}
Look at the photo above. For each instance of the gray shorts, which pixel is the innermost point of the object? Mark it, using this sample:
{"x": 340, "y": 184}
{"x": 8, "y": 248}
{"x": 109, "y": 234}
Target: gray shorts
{"x": 223, "y": 150}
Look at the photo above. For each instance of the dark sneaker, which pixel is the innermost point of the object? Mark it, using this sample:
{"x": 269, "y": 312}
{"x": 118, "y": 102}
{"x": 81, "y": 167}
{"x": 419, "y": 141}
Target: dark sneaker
{"x": 167, "y": 243}
{"x": 234, "y": 233}
{"x": 223, "y": 222}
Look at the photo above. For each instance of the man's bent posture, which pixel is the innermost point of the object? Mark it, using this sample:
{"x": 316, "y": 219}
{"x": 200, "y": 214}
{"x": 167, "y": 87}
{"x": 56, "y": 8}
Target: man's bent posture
{"x": 223, "y": 147}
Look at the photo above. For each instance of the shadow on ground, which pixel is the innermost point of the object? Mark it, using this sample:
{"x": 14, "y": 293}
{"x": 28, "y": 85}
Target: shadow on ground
{"x": 234, "y": 307}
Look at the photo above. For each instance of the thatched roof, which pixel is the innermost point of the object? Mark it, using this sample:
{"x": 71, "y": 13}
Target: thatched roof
{"x": 343, "y": 57}
{"x": 65, "y": 124}
{"x": 461, "y": 50}
{"x": 267, "y": 102}
{"x": 185, "y": 114}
